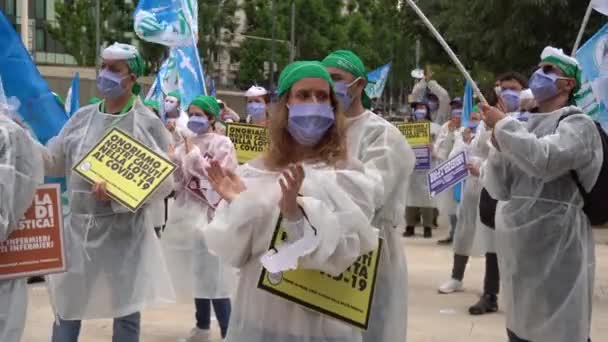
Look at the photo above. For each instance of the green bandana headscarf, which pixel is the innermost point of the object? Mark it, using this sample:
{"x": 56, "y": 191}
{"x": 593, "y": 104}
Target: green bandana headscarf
{"x": 568, "y": 65}
{"x": 208, "y": 104}
{"x": 176, "y": 94}
{"x": 151, "y": 103}
{"x": 347, "y": 60}
{"x": 94, "y": 100}
{"x": 128, "y": 53}
{"x": 297, "y": 71}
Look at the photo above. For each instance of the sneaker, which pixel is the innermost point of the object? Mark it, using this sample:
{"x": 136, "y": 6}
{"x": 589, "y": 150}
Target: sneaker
{"x": 199, "y": 335}
{"x": 451, "y": 286}
{"x": 428, "y": 232}
{"x": 488, "y": 303}
{"x": 446, "y": 241}
{"x": 409, "y": 231}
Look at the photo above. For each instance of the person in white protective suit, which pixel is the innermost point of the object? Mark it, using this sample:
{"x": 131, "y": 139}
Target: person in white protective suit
{"x": 196, "y": 273}
{"x": 419, "y": 201}
{"x": 21, "y": 171}
{"x": 257, "y": 105}
{"x": 436, "y": 96}
{"x": 115, "y": 262}
{"x": 307, "y": 184}
{"x": 449, "y": 135}
{"x": 544, "y": 240}
{"x": 389, "y": 160}
{"x": 176, "y": 120}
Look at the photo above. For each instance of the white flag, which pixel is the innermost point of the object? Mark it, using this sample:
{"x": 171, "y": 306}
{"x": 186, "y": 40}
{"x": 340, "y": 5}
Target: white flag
{"x": 600, "y": 6}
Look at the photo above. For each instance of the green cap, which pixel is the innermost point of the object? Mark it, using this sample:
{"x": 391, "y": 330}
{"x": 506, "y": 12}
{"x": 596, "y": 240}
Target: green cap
{"x": 176, "y": 94}
{"x": 297, "y": 71}
{"x": 208, "y": 104}
{"x": 348, "y": 61}
{"x": 151, "y": 103}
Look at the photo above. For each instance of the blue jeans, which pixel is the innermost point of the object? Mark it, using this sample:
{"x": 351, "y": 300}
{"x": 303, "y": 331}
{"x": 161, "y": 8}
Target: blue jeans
{"x": 125, "y": 329}
{"x": 222, "y": 308}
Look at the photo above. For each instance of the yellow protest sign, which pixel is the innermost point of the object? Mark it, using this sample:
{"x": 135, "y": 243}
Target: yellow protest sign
{"x": 347, "y": 297}
{"x": 416, "y": 133}
{"x": 250, "y": 141}
{"x": 131, "y": 170}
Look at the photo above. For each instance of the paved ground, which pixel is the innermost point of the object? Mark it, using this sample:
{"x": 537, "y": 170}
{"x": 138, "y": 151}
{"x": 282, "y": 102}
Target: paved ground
{"x": 433, "y": 317}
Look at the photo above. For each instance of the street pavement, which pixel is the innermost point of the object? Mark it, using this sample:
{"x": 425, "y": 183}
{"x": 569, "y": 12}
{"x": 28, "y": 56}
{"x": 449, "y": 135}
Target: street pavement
{"x": 432, "y": 317}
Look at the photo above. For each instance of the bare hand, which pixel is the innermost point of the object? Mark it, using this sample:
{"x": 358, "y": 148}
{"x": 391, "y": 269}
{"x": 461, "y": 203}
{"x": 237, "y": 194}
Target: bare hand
{"x": 171, "y": 151}
{"x": 491, "y": 115}
{"x": 474, "y": 170}
{"x": 188, "y": 144}
{"x": 293, "y": 177}
{"x": 501, "y": 105}
{"x": 100, "y": 191}
{"x": 225, "y": 182}
{"x": 170, "y": 126}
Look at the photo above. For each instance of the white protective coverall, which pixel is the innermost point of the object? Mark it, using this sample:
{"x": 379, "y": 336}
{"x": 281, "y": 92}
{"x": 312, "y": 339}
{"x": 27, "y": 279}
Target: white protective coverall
{"x": 442, "y": 114}
{"x": 338, "y": 203}
{"x": 21, "y": 171}
{"x": 195, "y": 272}
{"x": 115, "y": 261}
{"x": 418, "y": 193}
{"x": 389, "y": 161}
{"x": 544, "y": 242}
{"x": 445, "y": 144}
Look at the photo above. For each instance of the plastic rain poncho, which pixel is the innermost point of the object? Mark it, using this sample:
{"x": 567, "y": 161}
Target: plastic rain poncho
{"x": 389, "y": 161}
{"x": 418, "y": 192}
{"x": 338, "y": 203}
{"x": 196, "y": 273}
{"x": 21, "y": 172}
{"x": 544, "y": 242}
{"x": 115, "y": 262}
{"x": 444, "y": 146}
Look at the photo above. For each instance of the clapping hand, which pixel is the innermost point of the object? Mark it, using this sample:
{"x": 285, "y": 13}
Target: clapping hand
{"x": 225, "y": 182}
{"x": 291, "y": 182}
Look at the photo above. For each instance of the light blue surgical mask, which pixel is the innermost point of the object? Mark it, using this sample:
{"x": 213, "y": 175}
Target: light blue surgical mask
{"x": 256, "y": 110}
{"x": 198, "y": 124}
{"x": 473, "y": 125}
{"x": 309, "y": 122}
{"x": 511, "y": 99}
{"x": 457, "y": 113}
{"x": 110, "y": 84}
{"x": 543, "y": 86}
{"x": 420, "y": 114}
{"x": 341, "y": 90}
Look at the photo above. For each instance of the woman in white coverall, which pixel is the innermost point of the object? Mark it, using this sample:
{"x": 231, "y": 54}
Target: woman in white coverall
{"x": 21, "y": 171}
{"x": 195, "y": 272}
{"x": 115, "y": 262}
{"x": 544, "y": 240}
{"x": 303, "y": 181}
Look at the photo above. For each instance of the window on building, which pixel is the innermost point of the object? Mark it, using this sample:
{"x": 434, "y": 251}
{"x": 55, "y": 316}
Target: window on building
{"x": 40, "y": 9}
{"x": 40, "y": 39}
{"x": 8, "y": 7}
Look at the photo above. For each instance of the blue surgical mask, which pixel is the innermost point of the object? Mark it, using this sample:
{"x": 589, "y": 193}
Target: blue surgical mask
{"x": 341, "y": 90}
{"x": 473, "y": 125}
{"x": 511, "y": 99}
{"x": 309, "y": 122}
{"x": 420, "y": 114}
{"x": 543, "y": 86}
{"x": 110, "y": 84}
{"x": 256, "y": 110}
{"x": 433, "y": 106}
{"x": 457, "y": 113}
{"x": 198, "y": 124}
{"x": 523, "y": 116}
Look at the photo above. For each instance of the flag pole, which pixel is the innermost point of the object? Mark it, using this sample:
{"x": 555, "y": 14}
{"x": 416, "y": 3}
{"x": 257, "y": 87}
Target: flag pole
{"x": 447, "y": 48}
{"x": 581, "y": 31}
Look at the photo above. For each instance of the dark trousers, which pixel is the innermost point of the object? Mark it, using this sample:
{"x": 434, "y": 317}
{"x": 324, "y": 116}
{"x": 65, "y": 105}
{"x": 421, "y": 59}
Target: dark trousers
{"x": 491, "y": 283}
{"x": 221, "y": 307}
{"x": 515, "y": 338}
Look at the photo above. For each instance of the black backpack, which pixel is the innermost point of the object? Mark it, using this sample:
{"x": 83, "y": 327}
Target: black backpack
{"x": 596, "y": 201}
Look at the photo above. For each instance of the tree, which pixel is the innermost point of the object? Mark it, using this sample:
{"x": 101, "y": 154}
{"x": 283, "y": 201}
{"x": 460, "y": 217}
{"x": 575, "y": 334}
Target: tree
{"x": 216, "y": 25}
{"x": 75, "y": 28}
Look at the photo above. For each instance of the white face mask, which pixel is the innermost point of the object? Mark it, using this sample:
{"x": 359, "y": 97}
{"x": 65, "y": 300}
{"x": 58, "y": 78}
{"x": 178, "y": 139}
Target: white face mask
{"x": 170, "y": 105}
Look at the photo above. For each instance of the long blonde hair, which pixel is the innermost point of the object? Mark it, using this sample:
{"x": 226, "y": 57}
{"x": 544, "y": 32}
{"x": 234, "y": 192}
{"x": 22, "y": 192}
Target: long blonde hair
{"x": 281, "y": 153}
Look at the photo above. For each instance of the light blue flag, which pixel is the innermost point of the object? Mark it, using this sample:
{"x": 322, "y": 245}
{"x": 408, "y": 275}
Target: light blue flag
{"x": 39, "y": 109}
{"x": 72, "y": 100}
{"x": 167, "y": 22}
{"x": 191, "y": 81}
{"x": 376, "y": 80}
{"x": 467, "y": 104}
{"x": 593, "y": 59}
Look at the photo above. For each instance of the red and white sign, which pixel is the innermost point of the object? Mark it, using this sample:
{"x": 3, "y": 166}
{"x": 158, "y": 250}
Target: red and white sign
{"x": 36, "y": 246}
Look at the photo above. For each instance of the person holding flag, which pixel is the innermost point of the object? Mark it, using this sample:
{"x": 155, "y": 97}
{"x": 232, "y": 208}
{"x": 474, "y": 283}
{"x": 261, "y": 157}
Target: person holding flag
{"x": 116, "y": 267}
{"x": 437, "y": 97}
{"x": 388, "y": 161}
{"x": 544, "y": 241}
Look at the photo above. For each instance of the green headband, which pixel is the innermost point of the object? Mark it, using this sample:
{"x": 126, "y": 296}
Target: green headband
{"x": 570, "y": 70}
{"x": 348, "y": 61}
{"x": 176, "y": 94}
{"x": 297, "y": 71}
{"x": 208, "y": 104}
